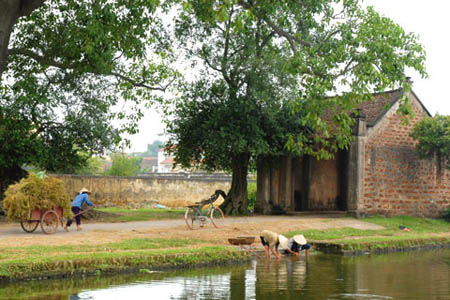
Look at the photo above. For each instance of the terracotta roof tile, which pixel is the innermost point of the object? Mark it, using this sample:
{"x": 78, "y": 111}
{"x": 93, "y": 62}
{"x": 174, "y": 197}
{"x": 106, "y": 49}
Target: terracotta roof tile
{"x": 375, "y": 109}
{"x": 168, "y": 161}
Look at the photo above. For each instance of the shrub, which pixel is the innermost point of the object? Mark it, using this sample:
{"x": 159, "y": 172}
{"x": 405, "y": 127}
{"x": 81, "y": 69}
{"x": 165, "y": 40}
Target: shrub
{"x": 123, "y": 165}
{"x": 35, "y": 192}
{"x": 447, "y": 214}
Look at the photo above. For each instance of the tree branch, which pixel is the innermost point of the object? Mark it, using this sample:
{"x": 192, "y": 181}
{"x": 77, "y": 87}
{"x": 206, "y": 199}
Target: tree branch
{"x": 225, "y": 49}
{"x": 46, "y": 61}
{"x": 347, "y": 68}
{"x": 39, "y": 58}
{"x": 292, "y": 39}
{"x": 140, "y": 84}
{"x": 205, "y": 58}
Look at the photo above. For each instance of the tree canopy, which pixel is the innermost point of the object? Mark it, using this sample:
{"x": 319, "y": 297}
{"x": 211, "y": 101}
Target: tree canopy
{"x": 259, "y": 63}
{"x": 65, "y": 66}
{"x": 433, "y": 135}
{"x": 152, "y": 149}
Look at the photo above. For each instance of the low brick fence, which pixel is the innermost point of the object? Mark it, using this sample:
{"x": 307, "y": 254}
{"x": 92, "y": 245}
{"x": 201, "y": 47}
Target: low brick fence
{"x": 172, "y": 190}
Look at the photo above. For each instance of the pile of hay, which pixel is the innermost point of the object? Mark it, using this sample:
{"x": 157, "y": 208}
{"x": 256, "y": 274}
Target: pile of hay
{"x": 34, "y": 192}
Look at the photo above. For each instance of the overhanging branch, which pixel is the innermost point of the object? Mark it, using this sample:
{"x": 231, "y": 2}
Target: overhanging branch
{"x": 67, "y": 66}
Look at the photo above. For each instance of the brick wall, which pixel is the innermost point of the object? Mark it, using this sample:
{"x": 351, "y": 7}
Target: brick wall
{"x": 396, "y": 181}
{"x": 172, "y": 190}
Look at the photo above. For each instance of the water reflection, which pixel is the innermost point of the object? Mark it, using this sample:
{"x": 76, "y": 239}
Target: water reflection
{"x": 414, "y": 275}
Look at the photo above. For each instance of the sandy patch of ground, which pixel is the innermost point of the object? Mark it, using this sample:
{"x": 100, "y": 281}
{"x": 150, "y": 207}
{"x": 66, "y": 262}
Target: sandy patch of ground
{"x": 102, "y": 233}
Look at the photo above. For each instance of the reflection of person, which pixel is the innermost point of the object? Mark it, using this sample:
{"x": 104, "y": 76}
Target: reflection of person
{"x": 77, "y": 203}
{"x": 271, "y": 240}
{"x": 296, "y": 244}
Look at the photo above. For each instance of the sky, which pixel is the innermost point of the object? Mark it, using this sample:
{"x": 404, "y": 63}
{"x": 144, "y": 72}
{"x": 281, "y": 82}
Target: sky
{"x": 428, "y": 19}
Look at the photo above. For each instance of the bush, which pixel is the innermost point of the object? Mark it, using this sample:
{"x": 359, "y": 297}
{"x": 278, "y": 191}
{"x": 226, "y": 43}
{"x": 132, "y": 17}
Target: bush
{"x": 36, "y": 192}
{"x": 123, "y": 165}
{"x": 251, "y": 192}
{"x": 447, "y": 214}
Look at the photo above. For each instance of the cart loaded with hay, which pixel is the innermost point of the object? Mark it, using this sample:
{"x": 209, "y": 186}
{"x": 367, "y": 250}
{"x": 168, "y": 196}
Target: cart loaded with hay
{"x": 36, "y": 200}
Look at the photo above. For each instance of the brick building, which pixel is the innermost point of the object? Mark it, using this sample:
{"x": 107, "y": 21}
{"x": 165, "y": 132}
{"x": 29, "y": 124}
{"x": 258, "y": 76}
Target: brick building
{"x": 379, "y": 173}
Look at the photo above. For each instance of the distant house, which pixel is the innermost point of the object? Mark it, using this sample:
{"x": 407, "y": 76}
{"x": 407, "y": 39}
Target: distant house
{"x": 166, "y": 162}
{"x": 149, "y": 164}
{"x": 379, "y": 173}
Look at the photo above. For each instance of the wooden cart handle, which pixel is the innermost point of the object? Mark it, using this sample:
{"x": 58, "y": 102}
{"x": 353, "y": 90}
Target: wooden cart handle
{"x": 83, "y": 211}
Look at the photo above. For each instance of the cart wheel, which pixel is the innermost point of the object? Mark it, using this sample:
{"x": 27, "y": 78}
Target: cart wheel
{"x": 29, "y": 226}
{"x": 49, "y": 222}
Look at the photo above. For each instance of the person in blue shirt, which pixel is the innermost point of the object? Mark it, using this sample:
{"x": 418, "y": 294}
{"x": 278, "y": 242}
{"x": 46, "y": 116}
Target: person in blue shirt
{"x": 77, "y": 203}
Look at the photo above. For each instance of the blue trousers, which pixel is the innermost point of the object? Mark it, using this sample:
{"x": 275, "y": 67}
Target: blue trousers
{"x": 75, "y": 210}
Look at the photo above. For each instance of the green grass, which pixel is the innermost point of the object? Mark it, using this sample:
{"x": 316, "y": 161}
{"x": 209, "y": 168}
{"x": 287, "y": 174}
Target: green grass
{"x": 417, "y": 226}
{"x": 36, "y": 261}
{"x": 422, "y": 232}
{"x": 82, "y": 263}
{"x": 8, "y": 253}
{"x": 141, "y": 214}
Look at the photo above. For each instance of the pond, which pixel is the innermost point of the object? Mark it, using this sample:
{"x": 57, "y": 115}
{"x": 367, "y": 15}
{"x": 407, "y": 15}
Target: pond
{"x": 411, "y": 275}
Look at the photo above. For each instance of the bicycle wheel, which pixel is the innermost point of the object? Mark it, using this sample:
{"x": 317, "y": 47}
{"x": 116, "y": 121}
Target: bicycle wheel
{"x": 217, "y": 217}
{"x": 191, "y": 218}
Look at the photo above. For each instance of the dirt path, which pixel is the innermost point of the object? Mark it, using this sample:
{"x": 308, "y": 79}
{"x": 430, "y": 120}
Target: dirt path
{"x": 100, "y": 233}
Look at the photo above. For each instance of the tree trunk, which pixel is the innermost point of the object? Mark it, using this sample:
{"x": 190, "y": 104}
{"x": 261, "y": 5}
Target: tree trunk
{"x": 10, "y": 11}
{"x": 9, "y": 176}
{"x": 236, "y": 202}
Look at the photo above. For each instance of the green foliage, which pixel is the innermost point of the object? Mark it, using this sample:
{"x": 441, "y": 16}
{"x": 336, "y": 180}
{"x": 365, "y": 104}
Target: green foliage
{"x": 88, "y": 165}
{"x": 152, "y": 149}
{"x": 264, "y": 49}
{"x": 93, "y": 166}
{"x": 35, "y": 192}
{"x": 433, "y": 135}
{"x": 265, "y": 73}
{"x": 446, "y": 214}
{"x": 251, "y": 192}
{"x": 69, "y": 65}
{"x": 123, "y": 165}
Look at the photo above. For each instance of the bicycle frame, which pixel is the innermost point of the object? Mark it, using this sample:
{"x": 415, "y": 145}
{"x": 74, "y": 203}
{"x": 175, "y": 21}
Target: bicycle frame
{"x": 195, "y": 216}
{"x": 199, "y": 214}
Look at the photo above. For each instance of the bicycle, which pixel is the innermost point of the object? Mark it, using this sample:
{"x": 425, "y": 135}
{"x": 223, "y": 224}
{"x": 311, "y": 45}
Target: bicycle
{"x": 196, "y": 217}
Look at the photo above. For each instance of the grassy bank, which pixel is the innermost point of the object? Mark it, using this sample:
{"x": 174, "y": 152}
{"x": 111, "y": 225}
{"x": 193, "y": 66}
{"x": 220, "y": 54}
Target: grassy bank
{"x": 422, "y": 232}
{"x": 131, "y": 255}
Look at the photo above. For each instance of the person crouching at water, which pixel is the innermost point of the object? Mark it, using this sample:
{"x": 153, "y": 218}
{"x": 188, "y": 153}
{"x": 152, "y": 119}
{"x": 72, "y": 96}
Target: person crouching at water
{"x": 296, "y": 244}
{"x": 77, "y": 203}
{"x": 271, "y": 240}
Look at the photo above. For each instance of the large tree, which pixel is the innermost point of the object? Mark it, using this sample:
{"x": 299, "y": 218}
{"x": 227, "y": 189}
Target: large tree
{"x": 212, "y": 131}
{"x": 249, "y": 54}
{"x": 65, "y": 65}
